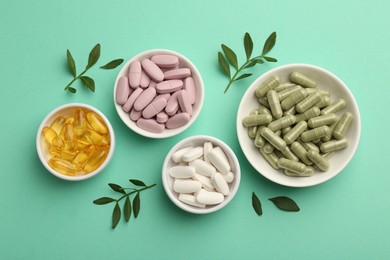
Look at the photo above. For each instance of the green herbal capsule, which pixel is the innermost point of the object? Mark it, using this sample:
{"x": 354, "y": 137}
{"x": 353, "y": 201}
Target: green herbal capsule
{"x": 288, "y": 91}
{"x": 289, "y": 154}
{"x": 278, "y": 154}
{"x": 268, "y": 148}
{"x": 300, "y": 152}
{"x": 315, "y": 133}
{"x": 334, "y": 107}
{"x": 273, "y": 138}
{"x": 318, "y": 160}
{"x": 264, "y": 110}
{"x": 291, "y": 165}
{"x": 309, "y": 146}
{"x": 322, "y": 92}
{"x": 322, "y": 120}
{"x": 307, "y": 173}
{"x": 308, "y": 102}
{"x": 333, "y": 145}
{"x": 268, "y": 85}
{"x": 259, "y": 140}
{"x": 302, "y": 80}
{"x": 294, "y": 99}
{"x": 295, "y": 132}
{"x": 312, "y": 112}
{"x": 261, "y": 119}
{"x": 290, "y": 111}
{"x": 325, "y": 101}
{"x": 271, "y": 158}
{"x": 283, "y": 86}
{"x": 274, "y": 103}
{"x": 327, "y": 156}
{"x": 263, "y": 101}
{"x": 252, "y": 130}
{"x": 281, "y": 123}
{"x": 343, "y": 125}
{"x": 328, "y": 137}
{"x": 286, "y": 130}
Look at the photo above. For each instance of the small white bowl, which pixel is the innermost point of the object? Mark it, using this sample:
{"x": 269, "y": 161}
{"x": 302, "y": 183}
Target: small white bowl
{"x": 325, "y": 80}
{"x": 194, "y": 141}
{"x": 67, "y": 110}
{"x": 197, "y": 107}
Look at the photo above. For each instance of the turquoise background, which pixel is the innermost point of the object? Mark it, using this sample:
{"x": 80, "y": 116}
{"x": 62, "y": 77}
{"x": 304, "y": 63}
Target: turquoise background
{"x": 43, "y": 217}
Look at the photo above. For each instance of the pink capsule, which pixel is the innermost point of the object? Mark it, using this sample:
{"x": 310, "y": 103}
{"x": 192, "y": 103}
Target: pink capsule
{"x": 144, "y": 98}
{"x": 152, "y": 70}
{"x": 189, "y": 86}
{"x": 184, "y": 102}
{"x": 177, "y": 73}
{"x": 135, "y": 115}
{"x": 165, "y": 60}
{"x": 150, "y": 125}
{"x": 154, "y": 108}
{"x": 133, "y": 97}
{"x": 135, "y": 74}
{"x": 177, "y": 120}
{"x": 169, "y": 86}
{"x": 172, "y": 105}
{"x": 165, "y": 96}
{"x": 162, "y": 117}
{"x": 145, "y": 80}
{"x": 122, "y": 91}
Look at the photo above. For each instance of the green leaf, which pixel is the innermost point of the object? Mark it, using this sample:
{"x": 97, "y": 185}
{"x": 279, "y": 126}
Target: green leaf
{"x": 72, "y": 90}
{"x": 256, "y": 204}
{"x": 94, "y": 56}
{"x": 136, "y": 205}
{"x": 285, "y": 203}
{"x": 71, "y": 63}
{"x": 112, "y": 64}
{"x": 251, "y": 64}
{"x": 230, "y": 55}
{"x": 116, "y": 215}
{"x": 137, "y": 182}
{"x": 270, "y": 59}
{"x": 248, "y": 45}
{"x": 88, "y": 82}
{"x": 269, "y": 43}
{"x": 223, "y": 63}
{"x": 116, "y": 188}
{"x": 259, "y": 61}
{"x": 127, "y": 209}
{"x": 243, "y": 76}
{"x": 103, "y": 200}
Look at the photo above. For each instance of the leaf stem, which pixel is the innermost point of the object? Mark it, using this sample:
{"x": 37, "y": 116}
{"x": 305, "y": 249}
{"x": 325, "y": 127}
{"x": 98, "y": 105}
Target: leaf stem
{"x": 134, "y": 191}
{"x": 76, "y": 78}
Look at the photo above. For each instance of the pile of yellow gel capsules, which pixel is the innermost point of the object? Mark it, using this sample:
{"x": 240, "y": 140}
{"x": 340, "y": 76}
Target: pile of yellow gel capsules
{"x": 78, "y": 144}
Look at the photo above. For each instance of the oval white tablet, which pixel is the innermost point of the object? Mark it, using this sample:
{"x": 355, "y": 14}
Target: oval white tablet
{"x": 186, "y": 186}
{"x": 220, "y": 183}
{"x": 206, "y": 181}
{"x": 203, "y": 167}
{"x": 178, "y": 155}
{"x": 209, "y": 197}
{"x": 193, "y": 154}
{"x": 190, "y": 200}
{"x": 181, "y": 171}
{"x": 207, "y": 147}
{"x": 217, "y": 159}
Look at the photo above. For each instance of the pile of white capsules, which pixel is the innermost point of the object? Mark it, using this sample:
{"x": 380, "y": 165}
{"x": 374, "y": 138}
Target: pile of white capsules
{"x": 297, "y": 127}
{"x": 201, "y": 175}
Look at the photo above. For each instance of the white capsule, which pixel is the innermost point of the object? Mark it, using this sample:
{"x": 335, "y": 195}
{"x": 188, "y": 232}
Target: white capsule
{"x": 193, "y": 154}
{"x": 206, "y": 181}
{"x": 220, "y": 183}
{"x": 229, "y": 177}
{"x": 222, "y": 153}
{"x": 209, "y": 197}
{"x": 178, "y": 155}
{"x": 207, "y": 147}
{"x": 186, "y": 186}
{"x": 181, "y": 171}
{"x": 218, "y": 160}
{"x": 190, "y": 200}
{"x": 203, "y": 167}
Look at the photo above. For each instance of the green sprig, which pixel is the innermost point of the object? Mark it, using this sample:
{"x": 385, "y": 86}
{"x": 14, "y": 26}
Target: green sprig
{"x": 229, "y": 57}
{"x": 127, "y": 207}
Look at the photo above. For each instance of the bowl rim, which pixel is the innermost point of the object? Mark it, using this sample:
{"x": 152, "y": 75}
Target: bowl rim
{"x": 39, "y": 138}
{"x": 348, "y": 92}
{"x": 234, "y": 187}
{"x": 167, "y": 132}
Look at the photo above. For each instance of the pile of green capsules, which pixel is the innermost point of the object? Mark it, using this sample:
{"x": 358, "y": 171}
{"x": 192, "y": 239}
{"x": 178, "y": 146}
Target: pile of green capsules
{"x": 297, "y": 128}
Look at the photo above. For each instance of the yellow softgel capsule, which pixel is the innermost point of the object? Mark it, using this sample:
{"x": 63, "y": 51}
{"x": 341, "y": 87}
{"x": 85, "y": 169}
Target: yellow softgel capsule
{"x": 49, "y": 134}
{"x": 80, "y": 122}
{"x": 82, "y": 157}
{"x": 96, "y": 123}
{"x": 68, "y": 134}
{"x": 58, "y": 123}
{"x": 62, "y": 166}
{"x": 95, "y": 160}
{"x": 97, "y": 139}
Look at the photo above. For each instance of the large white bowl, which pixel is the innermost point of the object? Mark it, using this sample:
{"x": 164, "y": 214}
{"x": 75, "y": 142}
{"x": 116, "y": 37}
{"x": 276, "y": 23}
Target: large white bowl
{"x": 325, "y": 80}
{"x": 197, "y": 107}
{"x": 195, "y": 141}
{"x": 68, "y": 110}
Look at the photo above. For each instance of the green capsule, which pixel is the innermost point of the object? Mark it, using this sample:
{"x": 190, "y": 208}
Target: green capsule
{"x": 281, "y": 123}
{"x": 264, "y": 110}
{"x": 291, "y": 165}
{"x": 252, "y": 130}
{"x": 290, "y": 111}
{"x": 288, "y": 91}
{"x": 295, "y": 132}
{"x": 259, "y": 140}
{"x": 286, "y": 130}
{"x": 318, "y": 160}
{"x": 309, "y": 146}
{"x": 278, "y": 154}
{"x": 273, "y": 138}
{"x": 274, "y": 103}
{"x": 309, "y": 171}
{"x": 263, "y": 101}
{"x": 268, "y": 148}
{"x": 315, "y": 133}
{"x": 312, "y": 112}
{"x": 308, "y": 102}
{"x": 343, "y": 125}
{"x": 289, "y": 154}
{"x": 322, "y": 120}
{"x": 328, "y": 137}
{"x": 300, "y": 152}
{"x": 271, "y": 158}
{"x": 267, "y": 85}
{"x": 322, "y": 92}
{"x": 302, "y": 80}
{"x": 325, "y": 101}
{"x": 294, "y": 99}
{"x": 261, "y": 119}
{"x": 334, "y": 107}
{"x": 333, "y": 145}
{"x": 283, "y": 86}
{"x": 327, "y": 156}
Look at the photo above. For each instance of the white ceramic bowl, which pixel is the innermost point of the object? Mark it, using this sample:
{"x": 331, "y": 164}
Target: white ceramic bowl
{"x": 195, "y": 141}
{"x": 183, "y": 62}
{"x": 325, "y": 80}
{"x": 42, "y": 148}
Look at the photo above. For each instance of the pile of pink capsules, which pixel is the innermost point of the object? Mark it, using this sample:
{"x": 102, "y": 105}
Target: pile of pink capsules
{"x": 158, "y": 93}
